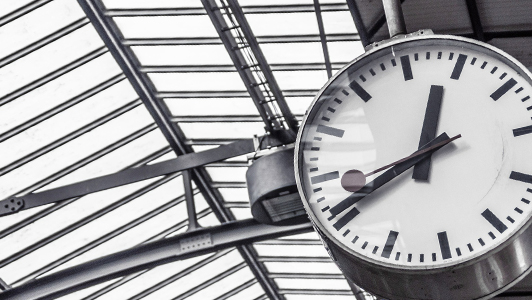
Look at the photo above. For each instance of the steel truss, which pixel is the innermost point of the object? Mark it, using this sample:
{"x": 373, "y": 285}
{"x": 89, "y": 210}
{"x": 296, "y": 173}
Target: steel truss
{"x": 146, "y": 256}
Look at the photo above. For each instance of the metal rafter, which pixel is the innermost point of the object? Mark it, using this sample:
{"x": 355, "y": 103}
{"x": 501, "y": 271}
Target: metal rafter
{"x": 474, "y": 16}
{"x": 252, "y": 67}
{"x": 126, "y": 59}
{"x": 357, "y": 18}
{"x": 323, "y": 38}
{"x": 148, "y": 256}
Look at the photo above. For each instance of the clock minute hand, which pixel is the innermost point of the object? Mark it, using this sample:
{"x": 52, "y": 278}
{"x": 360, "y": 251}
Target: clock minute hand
{"x": 400, "y": 167}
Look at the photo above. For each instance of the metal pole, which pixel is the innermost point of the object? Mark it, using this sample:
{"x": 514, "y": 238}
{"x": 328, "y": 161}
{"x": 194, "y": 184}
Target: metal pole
{"x": 394, "y": 17}
{"x": 189, "y": 197}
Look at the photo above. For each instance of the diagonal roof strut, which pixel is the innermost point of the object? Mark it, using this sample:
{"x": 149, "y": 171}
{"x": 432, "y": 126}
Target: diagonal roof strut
{"x": 126, "y": 59}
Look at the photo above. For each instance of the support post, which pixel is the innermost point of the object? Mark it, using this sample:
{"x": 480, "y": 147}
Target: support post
{"x": 189, "y": 197}
{"x": 394, "y": 17}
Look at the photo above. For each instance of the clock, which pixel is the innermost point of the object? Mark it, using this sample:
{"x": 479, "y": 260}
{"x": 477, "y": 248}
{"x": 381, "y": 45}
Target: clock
{"x": 449, "y": 222}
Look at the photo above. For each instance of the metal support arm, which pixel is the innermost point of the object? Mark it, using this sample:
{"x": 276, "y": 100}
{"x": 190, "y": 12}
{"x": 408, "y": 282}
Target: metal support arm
{"x": 15, "y": 204}
{"x": 184, "y": 246}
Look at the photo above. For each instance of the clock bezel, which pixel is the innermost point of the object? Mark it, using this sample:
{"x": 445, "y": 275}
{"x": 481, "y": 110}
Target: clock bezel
{"x": 375, "y": 48}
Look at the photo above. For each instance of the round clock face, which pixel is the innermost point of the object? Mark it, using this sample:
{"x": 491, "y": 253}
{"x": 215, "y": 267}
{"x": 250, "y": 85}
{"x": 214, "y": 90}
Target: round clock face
{"x": 465, "y": 199}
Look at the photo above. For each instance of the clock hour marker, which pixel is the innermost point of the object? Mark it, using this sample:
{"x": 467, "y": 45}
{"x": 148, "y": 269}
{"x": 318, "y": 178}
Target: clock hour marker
{"x": 459, "y": 66}
{"x": 407, "y": 69}
{"x": 494, "y": 221}
{"x": 522, "y": 130}
{"x": 444, "y": 245}
{"x": 324, "y": 177}
{"x": 503, "y": 89}
{"x": 521, "y": 177}
{"x": 360, "y": 91}
{"x": 350, "y": 215}
{"x": 330, "y": 131}
{"x": 390, "y": 242}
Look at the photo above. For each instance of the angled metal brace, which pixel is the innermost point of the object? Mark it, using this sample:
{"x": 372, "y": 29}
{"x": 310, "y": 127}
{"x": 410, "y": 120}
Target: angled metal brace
{"x": 184, "y": 246}
{"x": 188, "y": 161}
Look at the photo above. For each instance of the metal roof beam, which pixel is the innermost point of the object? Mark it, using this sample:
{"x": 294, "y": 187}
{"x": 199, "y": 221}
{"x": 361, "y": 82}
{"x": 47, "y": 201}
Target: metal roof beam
{"x": 148, "y": 256}
{"x": 323, "y": 38}
{"x": 359, "y": 24}
{"x": 474, "y": 16}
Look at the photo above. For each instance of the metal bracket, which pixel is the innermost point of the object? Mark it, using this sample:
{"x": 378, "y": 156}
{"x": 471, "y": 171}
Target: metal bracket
{"x": 11, "y": 205}
{"x": 397, "y": 37}
{"x": 195, "y": 243}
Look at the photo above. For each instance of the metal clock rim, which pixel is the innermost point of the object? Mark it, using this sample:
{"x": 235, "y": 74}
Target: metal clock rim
{"x": 378, "y": 46}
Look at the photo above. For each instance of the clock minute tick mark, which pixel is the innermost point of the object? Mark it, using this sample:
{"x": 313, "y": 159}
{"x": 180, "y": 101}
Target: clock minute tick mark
{"x": 526, "y": 98}
{"x": 483, "y": 65}
{"x": 518, "y": 90}
{"x": 502, "y": 76}
{"x": 510, "y": 219}
{"x": 518, "y": 210}
{"x": 473, "y": 61}
{"x": 354, "y": 240}
{"x": 320, "y": 199}
{"x": 525, "y": 201}
{"x": 458, "y": 252}
{"x": 451, "y": 55}
{"x": 345, "y": 92}
{"x": 481, "y": 242}
{"x": 493, "y": 70}
{"x": 326, "y": 208}
{"x": 372, "y": 72}
{"x": 491, "y": 235}
{"x": 470, "y": 247}
{"x": 337, "y": 100}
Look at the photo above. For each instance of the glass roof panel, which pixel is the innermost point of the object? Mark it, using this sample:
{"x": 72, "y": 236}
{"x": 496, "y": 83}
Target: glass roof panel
{"x": 211, "y": 106}
{"x": 276, "y": 24}
{"x": 325, "y": 284}
{"x": 317, "y": 297}
{"x": 164, "y": 26}
{"x": 182, "y": 55}
{"x": 335, "y": 22}
{"x": 37, "y": 24}
{"x": 301, "y": 79}
{"x": 292, "y": 53}
{"x": 225, "y": 130}
{"x": 344, "y": 51}
{"x": 226, "y": 81}
{"x": 302, "y": 267}
{"x": 110, "y": 4}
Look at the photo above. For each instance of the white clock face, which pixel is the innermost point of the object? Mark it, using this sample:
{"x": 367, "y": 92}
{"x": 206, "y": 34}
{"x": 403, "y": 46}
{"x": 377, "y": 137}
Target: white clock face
{"x": 477, "y": 190}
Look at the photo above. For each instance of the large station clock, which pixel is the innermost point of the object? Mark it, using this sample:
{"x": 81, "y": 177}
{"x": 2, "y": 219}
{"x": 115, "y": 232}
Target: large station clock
{"x": 448, "y": 222}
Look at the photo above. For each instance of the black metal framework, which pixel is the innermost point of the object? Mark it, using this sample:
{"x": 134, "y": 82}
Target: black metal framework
{"x": 149, "y": 255}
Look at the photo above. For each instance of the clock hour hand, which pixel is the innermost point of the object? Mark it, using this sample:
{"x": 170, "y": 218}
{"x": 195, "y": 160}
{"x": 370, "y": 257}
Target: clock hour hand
{"x": 400, "y": 167}
{"x": 428, "y": 132}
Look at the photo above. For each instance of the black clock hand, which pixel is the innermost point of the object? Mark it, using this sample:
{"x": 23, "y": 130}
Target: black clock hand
{"x": 428, "y": 132}
{"x": 388, "y": 175}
